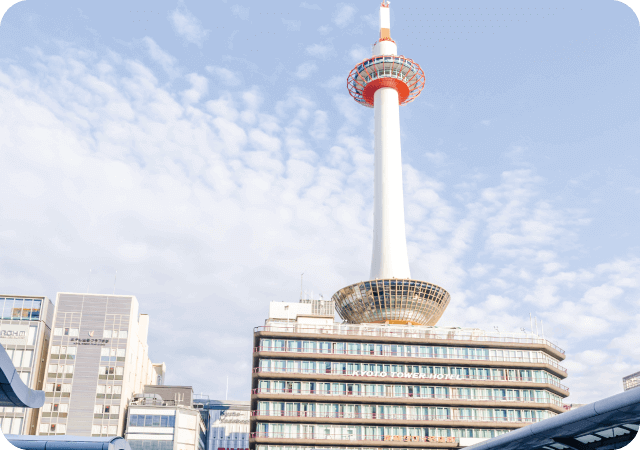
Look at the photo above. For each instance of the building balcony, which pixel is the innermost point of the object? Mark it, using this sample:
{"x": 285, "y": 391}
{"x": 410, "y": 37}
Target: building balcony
{"x": 411, "y": 399}
{"x": 436, "y": 420}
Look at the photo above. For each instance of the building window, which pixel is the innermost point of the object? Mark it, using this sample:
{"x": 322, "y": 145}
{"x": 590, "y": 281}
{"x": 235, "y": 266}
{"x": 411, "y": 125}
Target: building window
{"x": 151, "y": 420}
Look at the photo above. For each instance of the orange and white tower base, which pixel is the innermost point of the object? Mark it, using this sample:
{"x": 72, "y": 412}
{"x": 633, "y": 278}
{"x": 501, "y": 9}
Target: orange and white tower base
{"x": 384, "y": 82}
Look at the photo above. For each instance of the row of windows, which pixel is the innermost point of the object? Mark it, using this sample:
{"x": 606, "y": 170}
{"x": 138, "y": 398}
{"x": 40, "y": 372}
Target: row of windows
{"x": 21, "y": 358}
{"x": 56, "y": 407}
{"x": 111, "y": 370}
{"x": 407, "y": 391}
{"x": 66, "y": 387}
{"x": 20, "y": 309}
{"x": 398, "y": 412}
{"x": 57, "y": 428}
{"x": 151, "y": 420}
{"x": 361, "y": 432}
{"x": 10, "y": 425}
{"x": 74, "y": 332}
{"x": 413, "y": 351}
{"x": 106, "y": 409}
{"x": 467, "y": 373}
{"x": 112, "y": 354}
{"x": 106, "y": 430}
{"x": 60, "y": 368}
{"x": 144, "y": 444}
{"x": 63, "y": 351}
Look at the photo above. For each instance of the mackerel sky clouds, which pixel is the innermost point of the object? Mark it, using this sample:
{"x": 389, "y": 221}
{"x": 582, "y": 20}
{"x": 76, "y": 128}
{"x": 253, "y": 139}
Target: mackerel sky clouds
{"x": 209, "y": 152}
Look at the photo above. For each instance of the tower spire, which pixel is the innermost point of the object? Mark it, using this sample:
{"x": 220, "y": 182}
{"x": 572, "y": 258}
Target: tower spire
{"x": 384, "y": 82}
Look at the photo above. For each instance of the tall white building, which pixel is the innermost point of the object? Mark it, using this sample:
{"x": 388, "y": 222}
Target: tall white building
{"x": 25, "y": 329}
{"x": 98, "y": 358}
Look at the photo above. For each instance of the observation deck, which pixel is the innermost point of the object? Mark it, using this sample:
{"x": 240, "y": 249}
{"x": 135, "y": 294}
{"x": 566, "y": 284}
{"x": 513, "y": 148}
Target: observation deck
{"x": 394, "y": 301}
{"x": 397, "y": 72}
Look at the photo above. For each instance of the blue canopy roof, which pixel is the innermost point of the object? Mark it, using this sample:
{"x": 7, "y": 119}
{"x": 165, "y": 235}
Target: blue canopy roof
{"x": 13, "y": 392}
{"x": 606, "y": 424}
{"x": 68, "y": 442}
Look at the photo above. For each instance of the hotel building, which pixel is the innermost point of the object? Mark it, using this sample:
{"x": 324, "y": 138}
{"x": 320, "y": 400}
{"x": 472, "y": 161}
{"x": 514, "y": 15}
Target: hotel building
{"x": 25, "y": 331}
{"x": 98, "y": 358}
{"x": 387, "y": 376}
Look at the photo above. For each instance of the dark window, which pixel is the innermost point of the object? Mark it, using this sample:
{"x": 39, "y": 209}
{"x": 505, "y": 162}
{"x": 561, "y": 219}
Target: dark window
{"x": 133, "y": 420}
{"x": 107, "y": 409}
{"x": 156, "y": 421}
{"x": 58, "y": 387}
{"x": 55, "y": 407}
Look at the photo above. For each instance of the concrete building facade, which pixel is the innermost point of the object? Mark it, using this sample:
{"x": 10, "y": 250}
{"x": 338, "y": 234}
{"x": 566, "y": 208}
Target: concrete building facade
{"x": 98, "y": 358}
{"x": 25, "y": 331}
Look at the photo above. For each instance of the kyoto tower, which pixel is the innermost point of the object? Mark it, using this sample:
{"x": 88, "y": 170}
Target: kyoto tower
{"x": 384, "y": 82}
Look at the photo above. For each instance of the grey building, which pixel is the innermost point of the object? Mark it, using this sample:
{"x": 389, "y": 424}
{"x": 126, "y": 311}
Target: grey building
{"x": 25, "y": 330}
{"x": 97, "y": 360}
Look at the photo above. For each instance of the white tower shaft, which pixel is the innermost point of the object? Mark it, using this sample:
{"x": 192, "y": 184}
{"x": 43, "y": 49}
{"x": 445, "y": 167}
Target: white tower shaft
{"x": 389, "y": 258}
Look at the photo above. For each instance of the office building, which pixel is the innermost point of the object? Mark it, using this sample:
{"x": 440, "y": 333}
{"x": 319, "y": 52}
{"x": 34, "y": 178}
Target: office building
{"x": 164, "y": 418}
{"x": 25, "y": 330}
{"x": 631, "y": 381}
{"x": 97, "y": 360}
{"x": 388, "y": 376}
{"x": 228, "y": 423}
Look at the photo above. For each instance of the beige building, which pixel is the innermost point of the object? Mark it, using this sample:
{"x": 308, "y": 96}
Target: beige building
{"x": 25, "y": 331}
{"x": 98, "y": 358}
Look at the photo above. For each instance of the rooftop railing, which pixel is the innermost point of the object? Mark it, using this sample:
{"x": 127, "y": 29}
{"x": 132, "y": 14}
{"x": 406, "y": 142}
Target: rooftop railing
{"x": 414, "y": 332}
{"x": 322, "y": 371}
{"x": 533, "y": 359}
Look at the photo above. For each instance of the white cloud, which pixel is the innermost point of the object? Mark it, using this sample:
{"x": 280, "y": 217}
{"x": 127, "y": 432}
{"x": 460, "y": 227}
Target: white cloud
{"x": 166, "y": 61}
{"x": 358, "y": 53}
{"x": 344, "y": 15}
{"x": 199, "y": 87}
{"x": 320, "y": 51}
{"x": 305, "y": 70}
{"x": 225, "y": 76}
{"x": 240, "y": 11}
{"x": 436, "y": 157}
{"x": 187, "y": 25}
{"x": 309, "y": 6}
{"x": 325, "y": 29}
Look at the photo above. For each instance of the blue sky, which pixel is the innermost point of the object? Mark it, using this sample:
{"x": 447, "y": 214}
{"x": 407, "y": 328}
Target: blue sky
{"x": 209, "y": 152}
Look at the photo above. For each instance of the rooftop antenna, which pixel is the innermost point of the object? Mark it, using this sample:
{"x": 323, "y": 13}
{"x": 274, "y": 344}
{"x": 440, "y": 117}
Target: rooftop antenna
{"x": 114, "y": 282}
{"x": 536, "y": 319}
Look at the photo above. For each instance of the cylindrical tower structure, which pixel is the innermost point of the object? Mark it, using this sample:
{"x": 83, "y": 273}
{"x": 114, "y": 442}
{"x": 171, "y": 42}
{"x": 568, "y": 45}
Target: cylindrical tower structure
{"x": 384, "y": 82}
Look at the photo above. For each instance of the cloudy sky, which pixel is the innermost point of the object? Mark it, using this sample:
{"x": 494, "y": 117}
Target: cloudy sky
{"x": 209, "y": 153}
